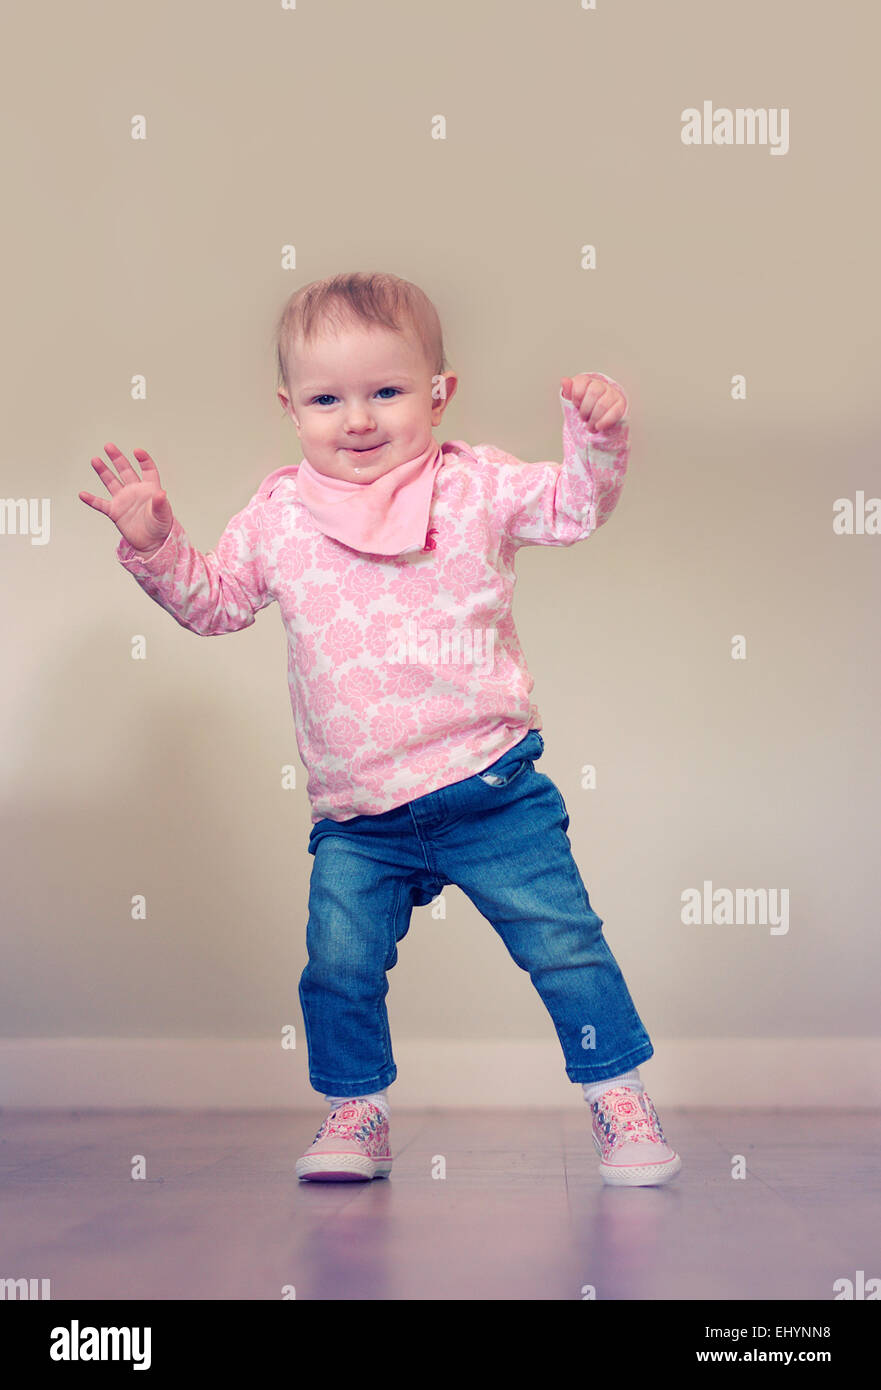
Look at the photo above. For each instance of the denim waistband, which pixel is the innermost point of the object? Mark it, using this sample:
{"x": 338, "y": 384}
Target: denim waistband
{"x": 531, "y": 747}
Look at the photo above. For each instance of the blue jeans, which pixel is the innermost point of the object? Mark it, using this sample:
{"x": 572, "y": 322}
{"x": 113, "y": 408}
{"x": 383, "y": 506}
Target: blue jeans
{"x": 499, "y": 835}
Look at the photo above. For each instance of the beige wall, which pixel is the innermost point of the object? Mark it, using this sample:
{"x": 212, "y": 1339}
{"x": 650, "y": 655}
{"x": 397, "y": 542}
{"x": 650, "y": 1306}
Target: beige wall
{"x": 312, "y": 127}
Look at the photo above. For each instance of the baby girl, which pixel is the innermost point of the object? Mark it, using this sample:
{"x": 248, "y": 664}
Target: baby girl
{"x": 392, "y": 559}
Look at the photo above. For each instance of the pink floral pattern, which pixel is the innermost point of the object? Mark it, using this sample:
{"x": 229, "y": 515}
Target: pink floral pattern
{"x": 374, "y": 731}
{"x": 622, "y": 1116}
{"x": 357, "y": 1123}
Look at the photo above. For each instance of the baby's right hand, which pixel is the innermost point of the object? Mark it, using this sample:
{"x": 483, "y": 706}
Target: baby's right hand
{"x": 138, "y": 507}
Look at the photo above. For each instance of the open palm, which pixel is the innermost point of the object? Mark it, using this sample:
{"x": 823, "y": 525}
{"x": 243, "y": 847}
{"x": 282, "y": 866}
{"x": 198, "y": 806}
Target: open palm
{"x": 138, "y": 506}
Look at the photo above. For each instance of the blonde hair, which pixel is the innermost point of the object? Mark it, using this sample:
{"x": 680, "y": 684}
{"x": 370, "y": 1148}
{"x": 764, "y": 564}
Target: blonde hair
{"x": 370, "y": 297}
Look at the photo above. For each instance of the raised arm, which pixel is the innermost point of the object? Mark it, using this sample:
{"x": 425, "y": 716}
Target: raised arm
{"x": 554, "y": 504}
{"x": 221, "y": 591}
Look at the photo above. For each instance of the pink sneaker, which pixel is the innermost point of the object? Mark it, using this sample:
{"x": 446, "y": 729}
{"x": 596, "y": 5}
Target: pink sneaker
{"x": 628, "y": 1137}
{"x": 351, "y": 1145}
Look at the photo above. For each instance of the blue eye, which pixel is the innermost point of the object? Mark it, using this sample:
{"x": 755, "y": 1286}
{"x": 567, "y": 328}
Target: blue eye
{"x": 326, "y": 396}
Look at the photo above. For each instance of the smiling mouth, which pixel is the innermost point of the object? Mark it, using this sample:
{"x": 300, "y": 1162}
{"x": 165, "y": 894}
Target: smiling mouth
{"x": 372, "y": 450}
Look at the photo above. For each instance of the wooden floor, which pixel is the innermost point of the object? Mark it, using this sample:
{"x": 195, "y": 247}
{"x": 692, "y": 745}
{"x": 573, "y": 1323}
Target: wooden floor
{"x": 521, "y": 1214}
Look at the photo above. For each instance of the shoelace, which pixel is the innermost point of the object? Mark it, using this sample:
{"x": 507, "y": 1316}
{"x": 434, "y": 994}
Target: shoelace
{"x": 364, "y": 1122}
{"x": 639, "y": 1125}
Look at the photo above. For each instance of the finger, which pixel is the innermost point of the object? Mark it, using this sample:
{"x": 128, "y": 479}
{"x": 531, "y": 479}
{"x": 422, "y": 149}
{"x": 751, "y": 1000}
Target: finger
{"x": 146, "y": 463}
{"x": 119, "y": 460}
{"x": 107, "y": 476}
{"x": 593, "y": 392}
{"x": 608, "y": 419}
{"x": 97, "y": 502}
{"x": 597, "y": 399}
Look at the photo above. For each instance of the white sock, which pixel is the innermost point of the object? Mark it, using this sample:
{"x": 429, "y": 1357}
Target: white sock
{"x": 378, "y": 1098}
{"x": 594, "y": 1089}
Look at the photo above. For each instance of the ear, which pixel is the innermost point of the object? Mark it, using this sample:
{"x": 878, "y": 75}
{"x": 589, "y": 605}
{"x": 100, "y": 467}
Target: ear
{"x": 288, "y": 408}
{"x": 441, "y": 401}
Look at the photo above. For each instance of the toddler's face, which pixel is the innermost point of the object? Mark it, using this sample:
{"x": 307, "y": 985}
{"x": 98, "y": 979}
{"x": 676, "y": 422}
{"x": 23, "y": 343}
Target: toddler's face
{"x": 362, "y": 401}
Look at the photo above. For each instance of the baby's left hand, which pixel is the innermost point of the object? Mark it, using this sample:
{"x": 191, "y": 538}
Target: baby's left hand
{"x": 600, "y": 404}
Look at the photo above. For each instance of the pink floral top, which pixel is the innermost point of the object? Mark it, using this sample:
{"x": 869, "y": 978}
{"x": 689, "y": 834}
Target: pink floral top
{"x": 405, "y": 671}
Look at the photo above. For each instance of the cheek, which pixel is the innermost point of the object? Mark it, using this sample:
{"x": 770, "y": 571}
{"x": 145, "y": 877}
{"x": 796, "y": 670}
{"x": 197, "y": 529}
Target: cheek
{"x": 416, "y": 417}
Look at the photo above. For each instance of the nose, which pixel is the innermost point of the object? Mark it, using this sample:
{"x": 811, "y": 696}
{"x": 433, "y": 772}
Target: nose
{"x": 359, "y": 421}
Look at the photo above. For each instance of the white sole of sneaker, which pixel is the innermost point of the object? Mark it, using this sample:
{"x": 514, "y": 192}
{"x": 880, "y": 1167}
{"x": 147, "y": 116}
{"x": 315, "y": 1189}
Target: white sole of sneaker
{"x": 640, "y": 1174}
{"x": 342, "y": 1167}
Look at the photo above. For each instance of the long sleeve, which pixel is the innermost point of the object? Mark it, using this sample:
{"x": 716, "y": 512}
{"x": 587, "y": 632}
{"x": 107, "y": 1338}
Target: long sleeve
{"x": 221, "y": 591}
{"x": 550, "y": 504}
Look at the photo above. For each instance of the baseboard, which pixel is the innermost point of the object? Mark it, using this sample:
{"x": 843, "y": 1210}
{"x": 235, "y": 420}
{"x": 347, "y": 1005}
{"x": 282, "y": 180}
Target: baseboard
{"x": 258, "y": 1074}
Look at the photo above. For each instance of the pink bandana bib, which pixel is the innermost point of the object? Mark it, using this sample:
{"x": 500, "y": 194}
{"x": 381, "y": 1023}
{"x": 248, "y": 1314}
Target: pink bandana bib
{"x": 386, "y": 517}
